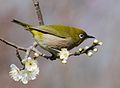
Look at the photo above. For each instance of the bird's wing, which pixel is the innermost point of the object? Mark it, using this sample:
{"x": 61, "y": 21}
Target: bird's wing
{"x": 56, "y": 30}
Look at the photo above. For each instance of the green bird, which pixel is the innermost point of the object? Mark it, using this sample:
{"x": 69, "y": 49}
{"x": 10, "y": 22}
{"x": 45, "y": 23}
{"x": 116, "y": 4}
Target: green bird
{"x": 54, "y": 37}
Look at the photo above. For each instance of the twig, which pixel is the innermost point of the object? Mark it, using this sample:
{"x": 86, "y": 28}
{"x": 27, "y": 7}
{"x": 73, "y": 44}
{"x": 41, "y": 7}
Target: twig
{"x": 13, "y": 45}
{"x": 19, "y": 57}
{"x": 90, "y": 48}
{"x": 84, "y": 51}
{"x": 40, "y": 54}
{"x": 38, "y": 12}
{"x": 29, "y": 49}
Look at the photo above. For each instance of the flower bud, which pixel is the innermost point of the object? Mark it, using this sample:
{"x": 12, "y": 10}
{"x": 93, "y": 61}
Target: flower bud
{"x": 100, "y": 43}
{"x": 95, "y": 49}
{"x": 36, "y": 54}
{"x": 89, "y": 54}
{"x": 64, "y": 61}
{"x": 86, "y": 47}
{"x": 95, "y": 41}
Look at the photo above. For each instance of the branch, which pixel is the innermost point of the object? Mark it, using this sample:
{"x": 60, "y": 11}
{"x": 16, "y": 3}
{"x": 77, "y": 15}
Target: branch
{"x": 27, "y": 50}
{"x": 19, "y": 57}
{"x": 13, "y": 45}
{"x": 38, "y": 12}
{"x": 86, "y": 50}
{"x": 64, "y": 54}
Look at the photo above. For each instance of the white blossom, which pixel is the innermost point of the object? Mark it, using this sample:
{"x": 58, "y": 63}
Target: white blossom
{"x": 30, "y": 71}
{"x": 95, "y": 49}
{"x": 64, "y": 61}
{"x": 100, "y": 43}
{"x": 32, "y": 74}
{"x": 36, "y": 54}
{"x": 64, "y": 54}
{"x": 24, "y": 78}
{"x": 29, "y": 75}
{"x": 89, "y": 54}
{"x": 80, "y": 49}
{"x": 15, "y": 72}
{"x": 30, "y": 64}
{"x": 95, "y": 41}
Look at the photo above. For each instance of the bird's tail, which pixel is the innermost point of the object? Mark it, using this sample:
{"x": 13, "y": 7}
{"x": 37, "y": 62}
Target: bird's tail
{"x": 26, "y": 26}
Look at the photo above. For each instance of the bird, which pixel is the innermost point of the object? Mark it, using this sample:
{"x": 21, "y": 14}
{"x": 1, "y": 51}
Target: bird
{"x": 55, "y": 37}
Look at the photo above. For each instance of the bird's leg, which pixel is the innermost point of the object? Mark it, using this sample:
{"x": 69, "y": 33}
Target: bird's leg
{"x": 50, "y": 50}
{"x": 53, "y": 52}
{"x": 54, "y": 55}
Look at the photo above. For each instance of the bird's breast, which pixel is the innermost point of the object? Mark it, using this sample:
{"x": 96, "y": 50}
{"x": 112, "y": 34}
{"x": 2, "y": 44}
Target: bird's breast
{"x": 55, "y": 42}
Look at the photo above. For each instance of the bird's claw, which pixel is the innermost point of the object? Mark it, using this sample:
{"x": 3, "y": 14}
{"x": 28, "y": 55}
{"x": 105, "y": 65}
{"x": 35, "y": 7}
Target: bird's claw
{"x": 53, "y": 57}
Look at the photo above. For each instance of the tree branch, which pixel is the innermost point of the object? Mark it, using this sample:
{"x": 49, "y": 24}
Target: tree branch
{"x": 84, "y": 51}
{"x": 19, "y": 57}
{"x": 27, "y": 50}
{"x": 13, "y": 45}
{"x": 38, "y": 12}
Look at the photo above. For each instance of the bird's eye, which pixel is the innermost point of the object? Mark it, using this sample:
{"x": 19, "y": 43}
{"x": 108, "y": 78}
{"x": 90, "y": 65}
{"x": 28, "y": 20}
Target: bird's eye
{"x": 81, "y": 36}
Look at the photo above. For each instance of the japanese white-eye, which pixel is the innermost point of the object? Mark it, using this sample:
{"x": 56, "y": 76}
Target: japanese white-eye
{"x": 55, "y": 37}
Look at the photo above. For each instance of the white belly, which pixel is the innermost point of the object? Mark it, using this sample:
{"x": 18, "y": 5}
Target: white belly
{"x": 52, "y": 41}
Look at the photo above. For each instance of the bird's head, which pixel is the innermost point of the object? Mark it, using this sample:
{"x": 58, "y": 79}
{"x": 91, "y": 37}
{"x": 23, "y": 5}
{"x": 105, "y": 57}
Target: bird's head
{"x": 81, "y": 36}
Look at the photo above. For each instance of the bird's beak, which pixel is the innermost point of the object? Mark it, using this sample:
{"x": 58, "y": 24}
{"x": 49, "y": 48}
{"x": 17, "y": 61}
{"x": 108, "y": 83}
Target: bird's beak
{"x": 89, "y": 36}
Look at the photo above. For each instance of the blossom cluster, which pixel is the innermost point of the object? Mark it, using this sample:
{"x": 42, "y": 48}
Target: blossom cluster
{"x": 29, "y": 72}
{"x": 92, "y": 49}
{"x": 63, "y": 55}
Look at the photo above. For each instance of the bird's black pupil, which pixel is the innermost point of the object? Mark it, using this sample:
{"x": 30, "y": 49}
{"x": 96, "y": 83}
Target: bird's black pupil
{"x": 81, "y": 35}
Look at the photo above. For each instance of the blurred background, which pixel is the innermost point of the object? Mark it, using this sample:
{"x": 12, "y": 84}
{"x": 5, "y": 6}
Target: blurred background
{"x": 100, "y": 18}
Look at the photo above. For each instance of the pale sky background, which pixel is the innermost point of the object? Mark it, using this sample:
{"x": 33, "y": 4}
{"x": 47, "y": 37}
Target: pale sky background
{"x": 100, "y": 18}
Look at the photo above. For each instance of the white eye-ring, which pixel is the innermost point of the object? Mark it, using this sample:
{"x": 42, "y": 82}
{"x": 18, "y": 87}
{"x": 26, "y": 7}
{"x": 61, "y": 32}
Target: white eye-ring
{"x": 81, "y": 36}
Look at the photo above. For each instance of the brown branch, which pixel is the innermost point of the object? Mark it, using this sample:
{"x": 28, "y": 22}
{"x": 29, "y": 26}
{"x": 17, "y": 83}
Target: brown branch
{"x": 13, "y": 45}
{"x": 19, "y": 57}
{"x": 27, "y": 50}
{"x": 30, "y": 49}
{"x": 38, "y": 12}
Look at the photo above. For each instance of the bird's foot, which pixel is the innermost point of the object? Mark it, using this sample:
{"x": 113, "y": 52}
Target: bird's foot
{"x": 53, "y": 57}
